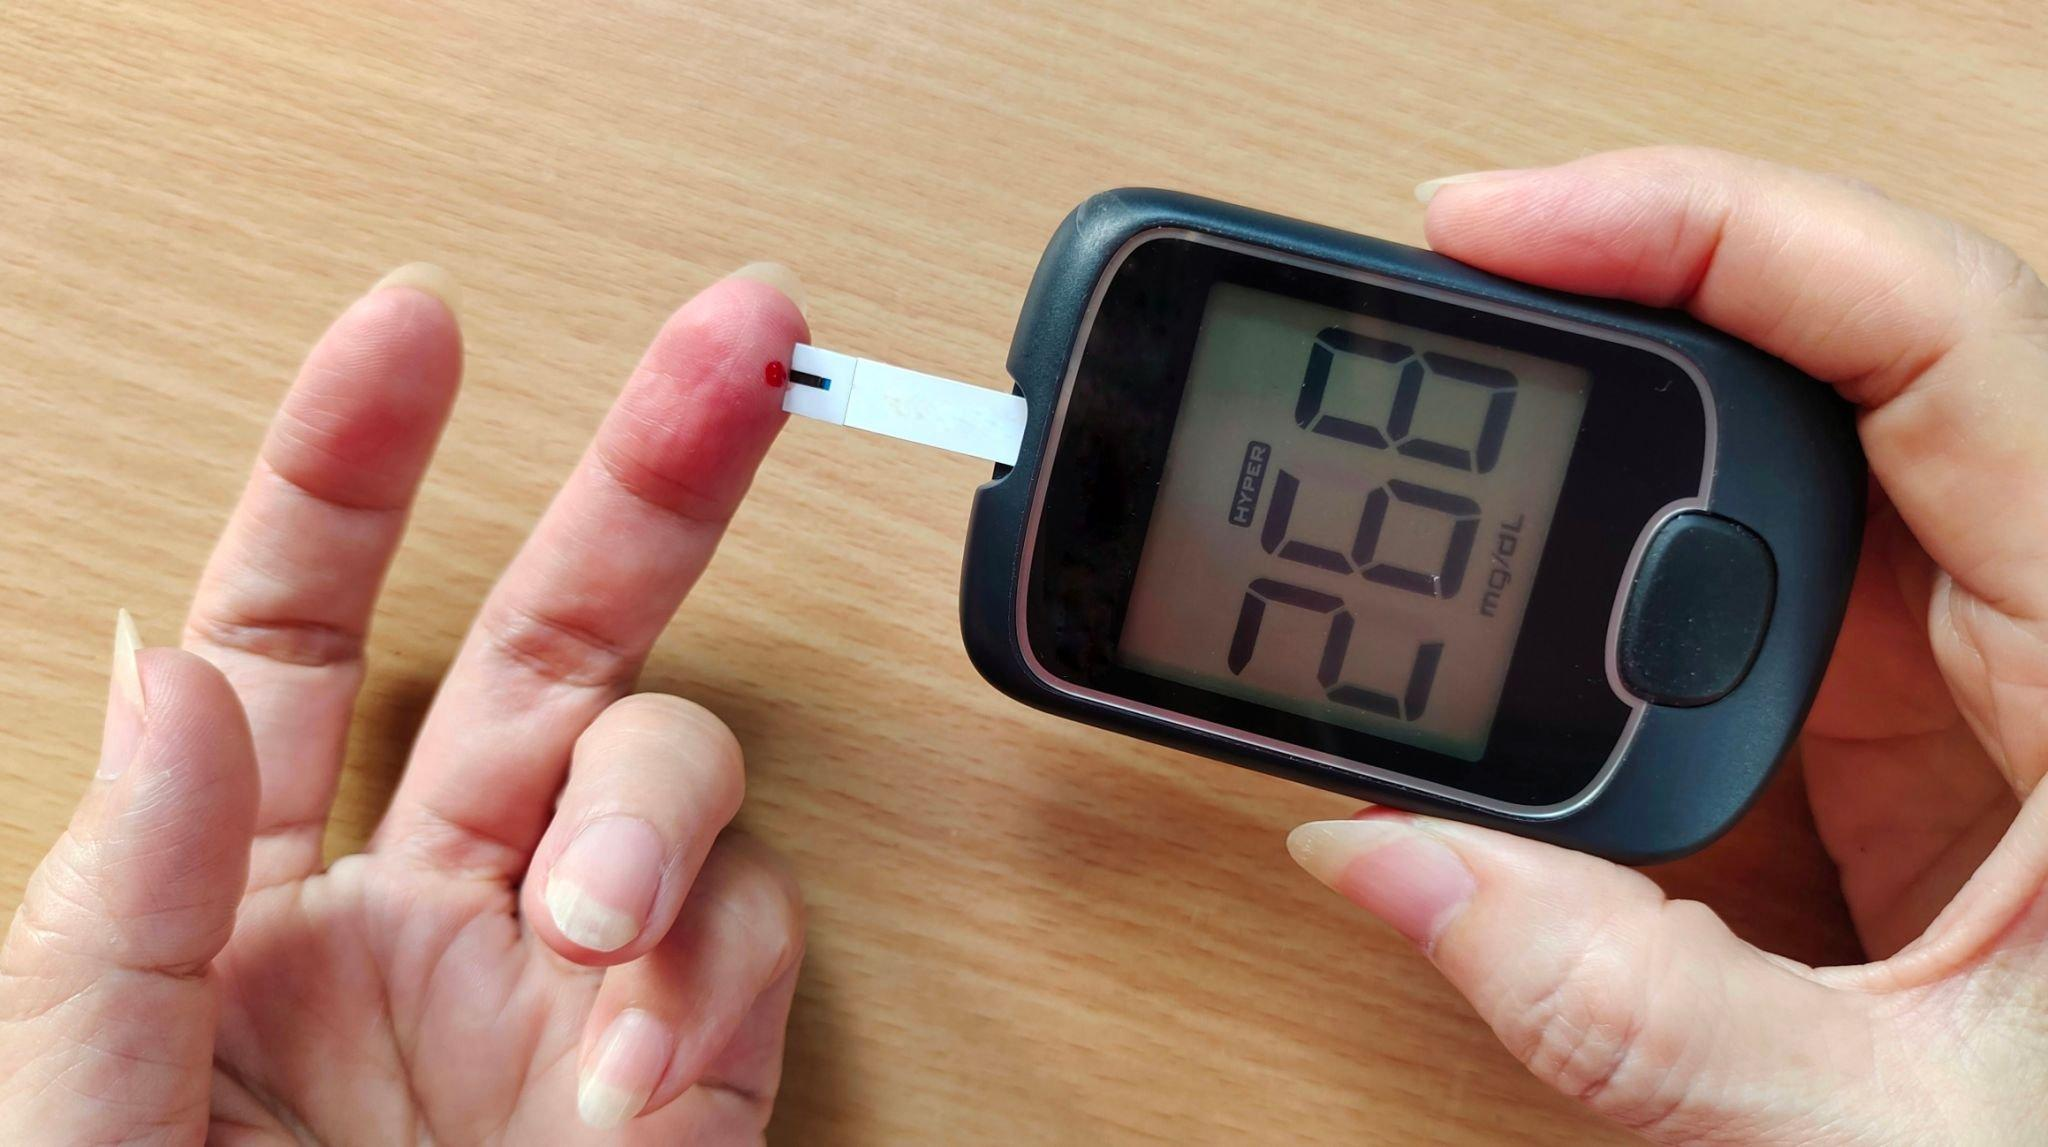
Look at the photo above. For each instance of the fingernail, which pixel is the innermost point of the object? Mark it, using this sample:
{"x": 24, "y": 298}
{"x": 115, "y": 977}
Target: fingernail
{"x": 1389, "y": 867}
{"x": 775, "y": 275}
{"x": 1427, "y": 189}
{"x": 631, "y": 1056}
{"x": 122, "y": 731}
{"x": 429, "y": 278}
{"x": 602, "y": 887}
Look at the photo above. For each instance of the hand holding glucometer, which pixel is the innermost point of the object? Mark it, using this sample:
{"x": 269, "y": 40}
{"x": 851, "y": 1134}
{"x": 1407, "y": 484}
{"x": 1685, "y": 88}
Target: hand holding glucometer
{"x": 1571, "y": 565}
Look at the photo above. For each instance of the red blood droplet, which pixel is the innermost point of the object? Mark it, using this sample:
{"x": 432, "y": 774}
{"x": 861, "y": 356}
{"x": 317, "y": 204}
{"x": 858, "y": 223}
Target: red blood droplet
{"x": 776, "y": 374}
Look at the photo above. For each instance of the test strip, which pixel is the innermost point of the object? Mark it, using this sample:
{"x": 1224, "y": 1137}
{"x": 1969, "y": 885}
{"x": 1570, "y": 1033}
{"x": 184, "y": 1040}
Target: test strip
{"x": 923, "y": 408}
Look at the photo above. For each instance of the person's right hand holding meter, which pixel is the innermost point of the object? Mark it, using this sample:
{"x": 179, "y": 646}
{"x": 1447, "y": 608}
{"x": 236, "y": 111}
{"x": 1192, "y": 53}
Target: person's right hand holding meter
{"x": 1923, "y": 752}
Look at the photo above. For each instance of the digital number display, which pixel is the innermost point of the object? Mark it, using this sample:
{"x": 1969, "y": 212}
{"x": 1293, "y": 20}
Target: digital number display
{"x": 1350, "y": 518}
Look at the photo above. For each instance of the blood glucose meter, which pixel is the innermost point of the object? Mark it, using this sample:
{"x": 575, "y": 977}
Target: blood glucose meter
{"x": 1360, "y": 516}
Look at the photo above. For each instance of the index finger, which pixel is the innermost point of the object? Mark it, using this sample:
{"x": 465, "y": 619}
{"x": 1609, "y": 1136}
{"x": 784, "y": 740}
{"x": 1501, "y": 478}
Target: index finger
{"x": 564, "y": 632}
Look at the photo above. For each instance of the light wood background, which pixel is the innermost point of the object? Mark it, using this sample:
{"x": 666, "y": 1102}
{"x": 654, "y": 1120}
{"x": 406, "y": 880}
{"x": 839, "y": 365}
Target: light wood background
{"x": 1024, "y": 931}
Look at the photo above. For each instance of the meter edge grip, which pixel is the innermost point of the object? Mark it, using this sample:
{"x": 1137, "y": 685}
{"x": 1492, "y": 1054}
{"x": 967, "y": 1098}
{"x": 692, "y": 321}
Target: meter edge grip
{"x": 1690, "y": 772}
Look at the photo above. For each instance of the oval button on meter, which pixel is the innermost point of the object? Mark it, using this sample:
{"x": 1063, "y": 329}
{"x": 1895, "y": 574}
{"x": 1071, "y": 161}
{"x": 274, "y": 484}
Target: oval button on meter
{"x": 1696, "y": 611}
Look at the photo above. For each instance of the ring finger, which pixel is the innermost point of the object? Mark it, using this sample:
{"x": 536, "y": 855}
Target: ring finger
{"x": 652, "y": 783}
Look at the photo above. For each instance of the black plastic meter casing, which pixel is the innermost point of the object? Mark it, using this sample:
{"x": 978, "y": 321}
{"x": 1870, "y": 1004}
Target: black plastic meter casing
{"x": 1711, "y": 520}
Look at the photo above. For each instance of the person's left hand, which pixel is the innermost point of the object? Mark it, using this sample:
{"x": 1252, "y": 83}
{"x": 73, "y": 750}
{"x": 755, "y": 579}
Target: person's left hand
{"x": 553, "y": 931}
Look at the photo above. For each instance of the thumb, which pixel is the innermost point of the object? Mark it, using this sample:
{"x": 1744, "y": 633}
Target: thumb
{"x": 1650, "y": 1010}
{"x": 107, "y": 1010}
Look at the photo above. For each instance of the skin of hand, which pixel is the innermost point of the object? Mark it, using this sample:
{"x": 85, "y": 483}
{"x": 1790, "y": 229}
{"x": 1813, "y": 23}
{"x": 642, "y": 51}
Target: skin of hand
{"x": 554, "y": 938}
{"x": 1926, "y": 746}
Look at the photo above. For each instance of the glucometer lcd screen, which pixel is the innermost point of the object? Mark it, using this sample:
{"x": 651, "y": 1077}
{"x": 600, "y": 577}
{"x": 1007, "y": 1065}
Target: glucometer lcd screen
{"x": 1344, "y": 503}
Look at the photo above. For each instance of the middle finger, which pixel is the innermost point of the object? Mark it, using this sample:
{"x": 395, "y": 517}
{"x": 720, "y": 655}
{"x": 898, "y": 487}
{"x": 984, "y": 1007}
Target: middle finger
{"x": 565, "y": 630}
{"x": 285, "y": 602}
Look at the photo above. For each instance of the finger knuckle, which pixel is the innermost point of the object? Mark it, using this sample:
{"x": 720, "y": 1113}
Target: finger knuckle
{"x": 301, "y": 642}
{"x": 58, "y": 899}
{"x": 553, "y": 648}
{"x": 1567, "y": 1033}
{"x": 1589, "y": 1032}
{"x": 84, "y": 906}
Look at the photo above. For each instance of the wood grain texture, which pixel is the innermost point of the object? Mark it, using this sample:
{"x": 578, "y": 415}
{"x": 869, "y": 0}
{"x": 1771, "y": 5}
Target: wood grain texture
{"x": 1023, "y": 931}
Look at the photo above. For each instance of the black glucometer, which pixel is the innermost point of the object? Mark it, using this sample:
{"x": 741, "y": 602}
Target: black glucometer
{"x": 1360, "y": 516}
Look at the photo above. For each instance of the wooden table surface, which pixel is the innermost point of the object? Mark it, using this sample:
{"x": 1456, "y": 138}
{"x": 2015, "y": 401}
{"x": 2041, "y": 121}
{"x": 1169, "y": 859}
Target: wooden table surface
{"x": 1024, "y": 931}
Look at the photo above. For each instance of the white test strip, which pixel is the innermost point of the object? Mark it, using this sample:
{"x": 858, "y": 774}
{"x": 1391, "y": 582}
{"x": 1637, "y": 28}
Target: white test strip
{"x": 923, "y": 408}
